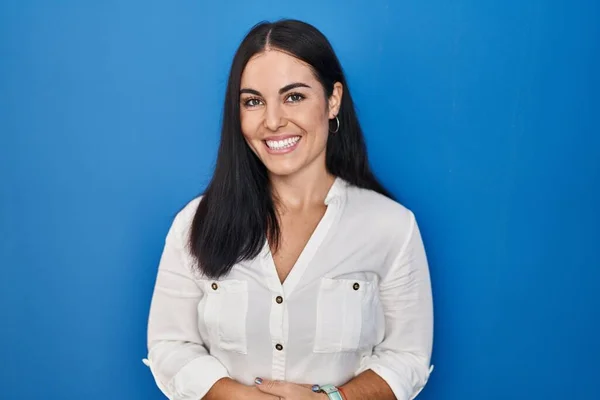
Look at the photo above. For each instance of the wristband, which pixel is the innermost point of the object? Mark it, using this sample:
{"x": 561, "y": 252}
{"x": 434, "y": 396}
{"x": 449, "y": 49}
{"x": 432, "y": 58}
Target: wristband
{"x": 332, "y": 392}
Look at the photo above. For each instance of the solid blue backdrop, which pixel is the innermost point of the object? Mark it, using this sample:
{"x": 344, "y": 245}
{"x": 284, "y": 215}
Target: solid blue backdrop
{"x": 481, "y": 116}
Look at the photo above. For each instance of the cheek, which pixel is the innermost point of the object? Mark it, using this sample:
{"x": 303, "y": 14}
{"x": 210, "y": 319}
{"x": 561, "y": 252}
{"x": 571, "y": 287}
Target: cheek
{"x": 249, "y": 125}
{"x": 313, "y": 120}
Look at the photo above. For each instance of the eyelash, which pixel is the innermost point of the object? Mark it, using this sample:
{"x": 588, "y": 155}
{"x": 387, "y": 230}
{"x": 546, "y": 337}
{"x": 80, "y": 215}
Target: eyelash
{"x": 300, "y": 95}
{"x": 251, "y": 99}
{"x": 247, "y": 102}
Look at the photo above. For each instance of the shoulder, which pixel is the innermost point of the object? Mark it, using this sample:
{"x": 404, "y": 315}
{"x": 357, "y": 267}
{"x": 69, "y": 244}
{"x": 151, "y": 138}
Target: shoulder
{"x": 182, "y": 222}
{"x": 380, "y": 210}
{"x": 378, "y": 218}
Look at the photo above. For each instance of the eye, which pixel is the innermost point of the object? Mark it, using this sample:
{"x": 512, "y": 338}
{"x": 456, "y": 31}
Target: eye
{"x": 295, "y": 98}
{"x": 252, "y": 102}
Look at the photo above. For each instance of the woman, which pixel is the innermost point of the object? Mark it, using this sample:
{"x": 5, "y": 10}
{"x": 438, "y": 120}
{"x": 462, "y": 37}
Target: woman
{"x": 295, "y": 275}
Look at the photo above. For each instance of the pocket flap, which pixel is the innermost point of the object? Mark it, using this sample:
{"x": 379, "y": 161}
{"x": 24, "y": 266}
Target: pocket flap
{"x": 227, "y": 286}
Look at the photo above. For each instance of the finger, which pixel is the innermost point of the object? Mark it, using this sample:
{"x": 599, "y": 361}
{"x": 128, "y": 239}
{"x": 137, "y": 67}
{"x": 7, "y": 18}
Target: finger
{"x": 276, "y": 388}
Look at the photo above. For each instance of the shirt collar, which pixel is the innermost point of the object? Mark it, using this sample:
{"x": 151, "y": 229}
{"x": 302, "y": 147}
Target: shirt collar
{"x": 337, "y": 190}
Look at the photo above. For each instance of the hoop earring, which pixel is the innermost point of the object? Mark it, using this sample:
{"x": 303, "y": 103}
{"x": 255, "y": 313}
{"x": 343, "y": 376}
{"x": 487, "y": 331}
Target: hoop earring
{"x": 338, "y": 125}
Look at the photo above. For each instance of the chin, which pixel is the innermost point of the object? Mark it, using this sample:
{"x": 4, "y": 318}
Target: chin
{"x": 282, "y": 170}
{"x": 282, "y": 166}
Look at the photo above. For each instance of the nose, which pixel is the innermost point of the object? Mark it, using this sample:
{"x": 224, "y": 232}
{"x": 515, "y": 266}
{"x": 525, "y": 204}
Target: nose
{"x": 274, "y": 118}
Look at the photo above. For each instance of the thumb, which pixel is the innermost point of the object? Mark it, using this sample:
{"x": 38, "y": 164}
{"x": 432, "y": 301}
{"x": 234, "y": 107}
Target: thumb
{"x": 276, "y": 388}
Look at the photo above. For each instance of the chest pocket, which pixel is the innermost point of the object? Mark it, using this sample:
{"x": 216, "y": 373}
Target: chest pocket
{"x": 348, "y": 311}
{"x": 225, "y": 313}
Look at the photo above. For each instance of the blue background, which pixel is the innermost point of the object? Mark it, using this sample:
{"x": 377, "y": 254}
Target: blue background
{"x": 481, "y": 116}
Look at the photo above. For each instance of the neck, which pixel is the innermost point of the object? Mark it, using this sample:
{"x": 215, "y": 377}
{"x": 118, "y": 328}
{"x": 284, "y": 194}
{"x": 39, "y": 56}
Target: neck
{"x": 302, "y": 190}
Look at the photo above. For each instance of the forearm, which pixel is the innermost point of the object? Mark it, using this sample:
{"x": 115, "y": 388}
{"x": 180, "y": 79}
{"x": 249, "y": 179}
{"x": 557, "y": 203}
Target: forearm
{"x": 227, "y": 388}
{"x": 368, "y": 386}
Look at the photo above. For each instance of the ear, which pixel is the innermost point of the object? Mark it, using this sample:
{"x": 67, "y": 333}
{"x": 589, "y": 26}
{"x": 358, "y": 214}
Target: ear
{"x": 335, "y": 100}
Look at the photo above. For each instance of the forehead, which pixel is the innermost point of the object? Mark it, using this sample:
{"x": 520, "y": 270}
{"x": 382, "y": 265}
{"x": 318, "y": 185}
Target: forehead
{"x": 275, "y": 69}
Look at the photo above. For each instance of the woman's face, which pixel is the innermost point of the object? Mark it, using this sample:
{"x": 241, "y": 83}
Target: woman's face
{"x": 284, "y": 112}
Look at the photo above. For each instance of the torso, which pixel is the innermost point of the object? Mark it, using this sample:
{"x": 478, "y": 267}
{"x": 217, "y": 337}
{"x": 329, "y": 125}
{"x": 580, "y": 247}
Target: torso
{"x": 295, "y": 229}
{"x": 325, "y": 325}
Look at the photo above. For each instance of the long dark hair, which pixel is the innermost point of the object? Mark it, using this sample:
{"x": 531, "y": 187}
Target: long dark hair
{"x": 237, "y": 211}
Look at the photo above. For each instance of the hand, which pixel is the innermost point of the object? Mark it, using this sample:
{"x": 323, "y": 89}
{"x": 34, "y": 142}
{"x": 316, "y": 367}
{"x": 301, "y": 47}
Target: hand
{"x": 287, "y": 390}
{"x": 253, "y": 393}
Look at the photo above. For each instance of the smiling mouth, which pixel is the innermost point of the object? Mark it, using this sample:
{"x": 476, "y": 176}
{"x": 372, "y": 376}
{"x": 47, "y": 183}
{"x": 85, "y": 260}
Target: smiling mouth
{"x": 282, "y": 145}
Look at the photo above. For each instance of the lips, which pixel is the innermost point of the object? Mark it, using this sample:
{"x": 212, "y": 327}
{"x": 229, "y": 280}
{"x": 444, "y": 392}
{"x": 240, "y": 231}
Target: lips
{"x": 281, "y": 137}
{"x": 283, "y": 144}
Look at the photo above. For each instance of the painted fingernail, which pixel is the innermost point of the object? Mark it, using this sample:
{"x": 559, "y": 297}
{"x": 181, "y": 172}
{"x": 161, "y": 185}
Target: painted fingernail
{"x": 316, "y": 388}
{"x": 258, "y": 381}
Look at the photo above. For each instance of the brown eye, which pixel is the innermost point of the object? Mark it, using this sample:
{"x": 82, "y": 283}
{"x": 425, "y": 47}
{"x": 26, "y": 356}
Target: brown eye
{"x": 252, "y": 102}
{"x": 295, "y": 98}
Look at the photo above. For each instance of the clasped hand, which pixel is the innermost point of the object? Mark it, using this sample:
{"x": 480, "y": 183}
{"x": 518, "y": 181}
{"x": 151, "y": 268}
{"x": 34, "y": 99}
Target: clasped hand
{"x": 287, "y": 391}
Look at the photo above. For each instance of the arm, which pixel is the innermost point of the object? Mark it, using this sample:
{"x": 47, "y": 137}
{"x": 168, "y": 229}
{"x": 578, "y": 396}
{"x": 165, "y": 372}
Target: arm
{"x": 180, "y": 363}
{"x": 227, "y": 388}
{"x": 399, "y": 366}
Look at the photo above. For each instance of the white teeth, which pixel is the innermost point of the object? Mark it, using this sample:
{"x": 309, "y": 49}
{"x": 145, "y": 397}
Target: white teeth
{"x": 282, "y": 144}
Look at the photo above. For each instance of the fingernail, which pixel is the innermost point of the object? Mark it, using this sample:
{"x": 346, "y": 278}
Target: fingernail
{"x": 316, "y": 388}
{"x": 258, "y": 381}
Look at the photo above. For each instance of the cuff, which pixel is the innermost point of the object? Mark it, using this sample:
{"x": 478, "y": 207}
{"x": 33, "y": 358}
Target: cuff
{"x": 194, "y": 379}
{"x": 402, "y": 389}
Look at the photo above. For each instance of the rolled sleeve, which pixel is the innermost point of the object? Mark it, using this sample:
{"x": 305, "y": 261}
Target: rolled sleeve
{"x": 190, "y": 382}
{"x": 177, "y": 357}
{"x": 402, "y": 359}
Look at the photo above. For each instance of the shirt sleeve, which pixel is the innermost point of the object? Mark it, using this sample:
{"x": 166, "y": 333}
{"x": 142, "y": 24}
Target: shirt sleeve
{"x": 402, "y": 358}
{"x": 180, "y": 363}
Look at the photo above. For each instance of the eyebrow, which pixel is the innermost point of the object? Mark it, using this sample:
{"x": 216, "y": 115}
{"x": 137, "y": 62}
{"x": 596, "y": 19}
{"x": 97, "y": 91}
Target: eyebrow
{"x": 284, "y": 89}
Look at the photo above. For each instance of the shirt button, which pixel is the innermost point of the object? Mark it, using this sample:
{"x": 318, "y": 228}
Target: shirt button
{"x": 279, "y": 347}
{"x": 214, "y": 286}
{"x": 279, "y": 299}
{"x": 356, "y": 286}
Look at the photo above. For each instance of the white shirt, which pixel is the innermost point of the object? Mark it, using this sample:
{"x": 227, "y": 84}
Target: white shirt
{"x": 358, "y": 298}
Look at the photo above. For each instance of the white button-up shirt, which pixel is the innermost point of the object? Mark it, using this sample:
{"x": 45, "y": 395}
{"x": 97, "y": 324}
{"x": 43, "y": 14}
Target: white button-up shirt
{"x": 358, "y": 298}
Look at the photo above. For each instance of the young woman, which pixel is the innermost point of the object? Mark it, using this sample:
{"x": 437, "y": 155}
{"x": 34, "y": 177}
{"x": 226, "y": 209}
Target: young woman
{"x": 295, "y": 275}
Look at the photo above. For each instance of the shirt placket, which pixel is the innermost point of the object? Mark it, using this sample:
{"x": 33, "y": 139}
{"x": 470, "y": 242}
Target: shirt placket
{"x": 278, "y": 328}
{"x": 278, "y": 319}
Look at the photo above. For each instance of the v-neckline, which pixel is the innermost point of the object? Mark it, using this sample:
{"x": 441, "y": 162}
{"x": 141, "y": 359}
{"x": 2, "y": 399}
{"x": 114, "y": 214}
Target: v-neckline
{"x": 310, "y": 248}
